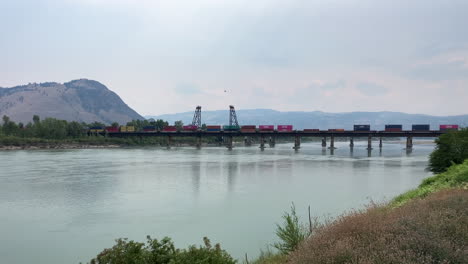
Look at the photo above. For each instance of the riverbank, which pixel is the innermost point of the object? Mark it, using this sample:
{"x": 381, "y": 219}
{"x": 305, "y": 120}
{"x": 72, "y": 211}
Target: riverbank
{"x": 428, "y": 224}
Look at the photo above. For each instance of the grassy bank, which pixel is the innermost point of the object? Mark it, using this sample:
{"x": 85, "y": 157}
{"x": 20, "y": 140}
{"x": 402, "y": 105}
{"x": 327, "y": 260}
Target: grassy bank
{"x": 428, "y": 224}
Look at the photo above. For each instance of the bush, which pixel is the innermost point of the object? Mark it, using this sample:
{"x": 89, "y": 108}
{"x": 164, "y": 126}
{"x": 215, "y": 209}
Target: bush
{"x": 451, "y": 148}
{"x": 291, "y": 233}
{"x": 431, "y": 230}
{"x": 161, "y": 252}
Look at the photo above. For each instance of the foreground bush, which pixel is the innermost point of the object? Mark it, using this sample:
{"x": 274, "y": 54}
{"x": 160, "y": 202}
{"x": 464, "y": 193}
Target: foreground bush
{"x": 161, "y": 252}
{"x": 451, "y": 148}
{"x": 430, "y": 230}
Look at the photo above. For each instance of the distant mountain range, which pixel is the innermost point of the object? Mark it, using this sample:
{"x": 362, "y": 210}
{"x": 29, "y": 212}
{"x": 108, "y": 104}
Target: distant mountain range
{"x": 79, "y": 100}
{"x": 317, "y": 119}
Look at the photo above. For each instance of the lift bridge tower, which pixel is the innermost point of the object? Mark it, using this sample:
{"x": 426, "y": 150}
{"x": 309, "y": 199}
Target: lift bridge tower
{"x": 233, "y": 117}
{"x": 197, "y": 117}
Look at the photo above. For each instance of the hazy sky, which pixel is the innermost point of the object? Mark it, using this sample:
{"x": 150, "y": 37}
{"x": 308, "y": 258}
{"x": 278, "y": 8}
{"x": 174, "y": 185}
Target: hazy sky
{"x": 165, "y": 56}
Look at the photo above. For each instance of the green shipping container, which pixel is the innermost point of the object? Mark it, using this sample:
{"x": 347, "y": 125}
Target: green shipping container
{"x": 231, "y": 128}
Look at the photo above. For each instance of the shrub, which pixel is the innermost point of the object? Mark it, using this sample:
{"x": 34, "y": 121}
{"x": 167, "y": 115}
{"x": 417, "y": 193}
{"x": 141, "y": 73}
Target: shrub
{"x": 203, "y": 255}
{"x": 431, "y": 230}
{"x": 291, "y": 233}
{"x": 451, "y": 148}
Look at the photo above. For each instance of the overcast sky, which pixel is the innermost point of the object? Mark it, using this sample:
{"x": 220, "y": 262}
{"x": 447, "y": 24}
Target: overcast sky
{"x": 166, "y": 56}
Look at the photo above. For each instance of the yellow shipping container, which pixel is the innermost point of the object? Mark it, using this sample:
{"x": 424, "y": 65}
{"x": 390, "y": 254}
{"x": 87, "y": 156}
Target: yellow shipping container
{"x": 130, "y": 129}
{"x": 123, "y": 128}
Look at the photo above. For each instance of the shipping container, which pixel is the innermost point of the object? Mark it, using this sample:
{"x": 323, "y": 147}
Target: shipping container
{"x": 96, "y": 129}
{"x": 213, "y": 128}
{"x": 170, "y": 129}
{"x": 284, "y": 128}
{"x": 231, "y": 128}
{"x": 448, "y": 127}
{"x": 311, "y": 130}
{"x": 361, "y": 127}
{"x": 190, "y": 128}
{"x": 248, "y": 127}
{"x": 420, "y": 127}
{"x": 393, "y": 128}
{"x": 336, "y": 130}
{"x": 112, "y": 129}
{"x": 149, "y": 128}
{"x": 266, "y": 128}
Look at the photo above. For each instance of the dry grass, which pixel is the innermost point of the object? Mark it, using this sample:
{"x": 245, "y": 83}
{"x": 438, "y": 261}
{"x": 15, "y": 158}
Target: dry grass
{"x": 430, "y": 230}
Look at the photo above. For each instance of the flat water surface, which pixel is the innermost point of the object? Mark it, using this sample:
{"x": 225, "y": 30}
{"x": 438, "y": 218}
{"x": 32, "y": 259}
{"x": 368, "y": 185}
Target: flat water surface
{"x": 65, "y": 206}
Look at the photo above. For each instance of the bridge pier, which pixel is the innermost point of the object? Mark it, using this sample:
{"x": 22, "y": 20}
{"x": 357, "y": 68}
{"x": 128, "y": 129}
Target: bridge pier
{"x": 351, "y": 143}
{"x": 380, "y": 143}
{"x": 409, "y": 142}
{"x": 229, "y": 142}
{"x": 369, "y": 142}
{"x": 324, "y": 142}
{"x": 297, "y": 143}
{"x": 332, "y": 142}
{"x": 248, "y": 141}
{"x": 169, "y": 142}
{"x": 262, "y": 142}
{"x": 199, "y": 141}
{"x": 272, "y": 142}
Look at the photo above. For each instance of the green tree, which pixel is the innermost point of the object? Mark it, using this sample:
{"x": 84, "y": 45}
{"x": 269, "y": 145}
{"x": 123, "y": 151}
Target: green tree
{"x": 451, "y": 148}
{"x": 291, "y": 233}
{"x": 203, "y": 255}
{"x": 179, "y": 124}
{"x": 115, "y": 124}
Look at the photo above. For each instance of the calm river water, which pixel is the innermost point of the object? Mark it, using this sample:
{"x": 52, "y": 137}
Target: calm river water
{"x": 65, "y": 206}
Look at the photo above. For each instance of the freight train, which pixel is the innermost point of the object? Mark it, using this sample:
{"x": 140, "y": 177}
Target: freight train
{"x": 262, "y": 128}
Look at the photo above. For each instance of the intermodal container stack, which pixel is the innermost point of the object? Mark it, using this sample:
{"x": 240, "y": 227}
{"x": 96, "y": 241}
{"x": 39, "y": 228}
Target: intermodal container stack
{"x": 361, "y": 127}
{"x": 393, "y": 128}
{"x": 170, "y": 129}
{"x": 248, "y": 129}
{"x": 112, "y": 129}
{"x": 420, "y": 127}
{"x": 149, "y": 128}
{"x": 127, "y": 129}
{"x": 213, "y": 128}
{"x": 96, "y": 129}
{"x": 448, "y": 127}
{"x": 266, "y": 128}
{"x": 231, "y": 128}
{"x": 311, "y": 130}
{"x": 284, "y": 128}
{"x": 190, "y": 128}
{"x": 336, "y": 130}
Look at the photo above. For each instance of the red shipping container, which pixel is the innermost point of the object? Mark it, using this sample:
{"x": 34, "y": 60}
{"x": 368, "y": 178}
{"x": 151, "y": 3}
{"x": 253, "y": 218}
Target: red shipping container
{"x": 170, "y": 129}
{"x": 248, "y": 127}
{"x": 190, "y": 128}
{"x": 112, "y": 129}
{"x": 448, "y": 127}
{"x": 266, "y": 127}
{"x": 284, "y": 128}
{"x": 336, "y": 130}
{"x": 213, "y": 127}
{"x": 248, "y": 130}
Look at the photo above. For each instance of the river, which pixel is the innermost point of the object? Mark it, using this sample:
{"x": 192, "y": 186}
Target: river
{"x": 65, "y": 206}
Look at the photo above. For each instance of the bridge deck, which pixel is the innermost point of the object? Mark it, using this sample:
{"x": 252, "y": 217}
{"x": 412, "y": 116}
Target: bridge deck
{"x": 281, "y": 134}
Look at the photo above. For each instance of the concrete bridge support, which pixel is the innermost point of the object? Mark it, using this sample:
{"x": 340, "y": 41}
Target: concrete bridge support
{"x": 380, "y": 143}
{"x": 199, "y": 141}
{"x": 324, "y": 142}
{"x": 262, "y": 142}
{"x": 297, "y": 143}
{"x": 409, "y": 142}
{"x": 332, "y": 142}
{"x": 272, "y": 141}
{"x": 351, "y": 143}
{"x": 169, "y": 142}
{"x": 229, "y": 142}
{"x": 369, "y": 143}
{"x": 248, "y": 141}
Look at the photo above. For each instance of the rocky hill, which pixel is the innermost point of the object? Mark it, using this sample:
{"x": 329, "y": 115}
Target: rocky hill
{"x": 317, "y": 119}
{"x": 79, "y": 100}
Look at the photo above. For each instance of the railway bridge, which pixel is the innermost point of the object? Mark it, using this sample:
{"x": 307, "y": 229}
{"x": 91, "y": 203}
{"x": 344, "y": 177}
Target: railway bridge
{"x": 271, "y": 136}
